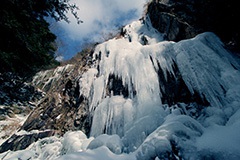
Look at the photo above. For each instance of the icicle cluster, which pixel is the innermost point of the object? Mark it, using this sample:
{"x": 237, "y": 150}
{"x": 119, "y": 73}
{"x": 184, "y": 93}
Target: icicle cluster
{"x": 135, "y": 59}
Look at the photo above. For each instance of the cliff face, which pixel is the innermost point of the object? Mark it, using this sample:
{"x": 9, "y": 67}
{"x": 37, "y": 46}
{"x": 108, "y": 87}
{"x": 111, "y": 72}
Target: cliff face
{"x": 186, "y": 18}
{"x": 139, "y": 94}
{"x": 51, "y": 100}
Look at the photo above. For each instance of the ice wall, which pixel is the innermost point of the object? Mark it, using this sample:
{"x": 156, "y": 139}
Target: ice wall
{"x": 135, "y": 58}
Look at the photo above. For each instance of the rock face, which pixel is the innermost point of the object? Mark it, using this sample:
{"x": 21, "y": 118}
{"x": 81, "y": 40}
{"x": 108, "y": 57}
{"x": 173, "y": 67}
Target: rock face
{"x": 20, "y": 142}
{"x": 186, "y": 18}
{"x": 54, "y": 103}
{"x": 63, "y": 108}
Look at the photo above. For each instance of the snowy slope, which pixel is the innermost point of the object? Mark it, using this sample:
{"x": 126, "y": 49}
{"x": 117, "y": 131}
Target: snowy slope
{"x": 130, "y": 121}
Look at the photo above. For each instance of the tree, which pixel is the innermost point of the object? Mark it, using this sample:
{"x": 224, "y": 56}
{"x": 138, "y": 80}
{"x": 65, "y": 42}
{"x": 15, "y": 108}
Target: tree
{"x": 27, "y": 45}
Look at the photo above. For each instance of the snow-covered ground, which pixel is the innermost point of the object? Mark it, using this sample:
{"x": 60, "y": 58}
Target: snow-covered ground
{"x": 139, "y": 126}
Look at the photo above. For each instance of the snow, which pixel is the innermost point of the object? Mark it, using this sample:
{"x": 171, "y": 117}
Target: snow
{"x": 100, "y": 153}
{"x": 73, "y": 145}
{"x": 139, "y": 126}
{"x": 10, "y": 125}
{"x": 112, "y": 142}
{"x": 179, "y": 129}
{"x": 221, "y": 141}
{"x": 75, "y": 142}
{"x": 86, "y": 81}
{"x": 49, "y": 76}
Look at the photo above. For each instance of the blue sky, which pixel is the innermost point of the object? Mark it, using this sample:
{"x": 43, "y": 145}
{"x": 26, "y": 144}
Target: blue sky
{"x": 100, "y": 18}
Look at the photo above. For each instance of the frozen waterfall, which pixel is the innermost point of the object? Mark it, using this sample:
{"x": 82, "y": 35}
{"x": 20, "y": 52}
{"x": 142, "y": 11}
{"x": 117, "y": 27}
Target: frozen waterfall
{"x": 133, "y": 62}
{"x": 153, "y": 99}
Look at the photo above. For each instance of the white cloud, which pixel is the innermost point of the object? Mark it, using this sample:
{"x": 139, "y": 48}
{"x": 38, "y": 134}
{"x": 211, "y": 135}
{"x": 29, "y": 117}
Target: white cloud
{"x": 101, "y": 15}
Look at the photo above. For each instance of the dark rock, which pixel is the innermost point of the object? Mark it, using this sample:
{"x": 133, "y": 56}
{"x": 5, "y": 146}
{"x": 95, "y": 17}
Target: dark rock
{"x": 183, "y": 19}
{"x": 63, "y": 108}
{"x": 61, "y": 117}
{"x": 116, "y": 87}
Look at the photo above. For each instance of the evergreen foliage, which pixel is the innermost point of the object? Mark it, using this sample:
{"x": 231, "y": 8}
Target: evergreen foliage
{"x": 26, "y": 44}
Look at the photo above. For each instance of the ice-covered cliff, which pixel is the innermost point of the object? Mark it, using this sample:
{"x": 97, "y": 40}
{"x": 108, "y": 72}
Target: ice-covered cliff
{"x": 146, "y": 98}
{"x": 131, "y": 96}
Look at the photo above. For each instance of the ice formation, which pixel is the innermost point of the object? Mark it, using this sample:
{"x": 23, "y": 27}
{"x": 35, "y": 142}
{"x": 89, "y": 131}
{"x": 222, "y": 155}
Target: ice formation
{"x": 205, "y": 66}
{"x": 130, "y": 121}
